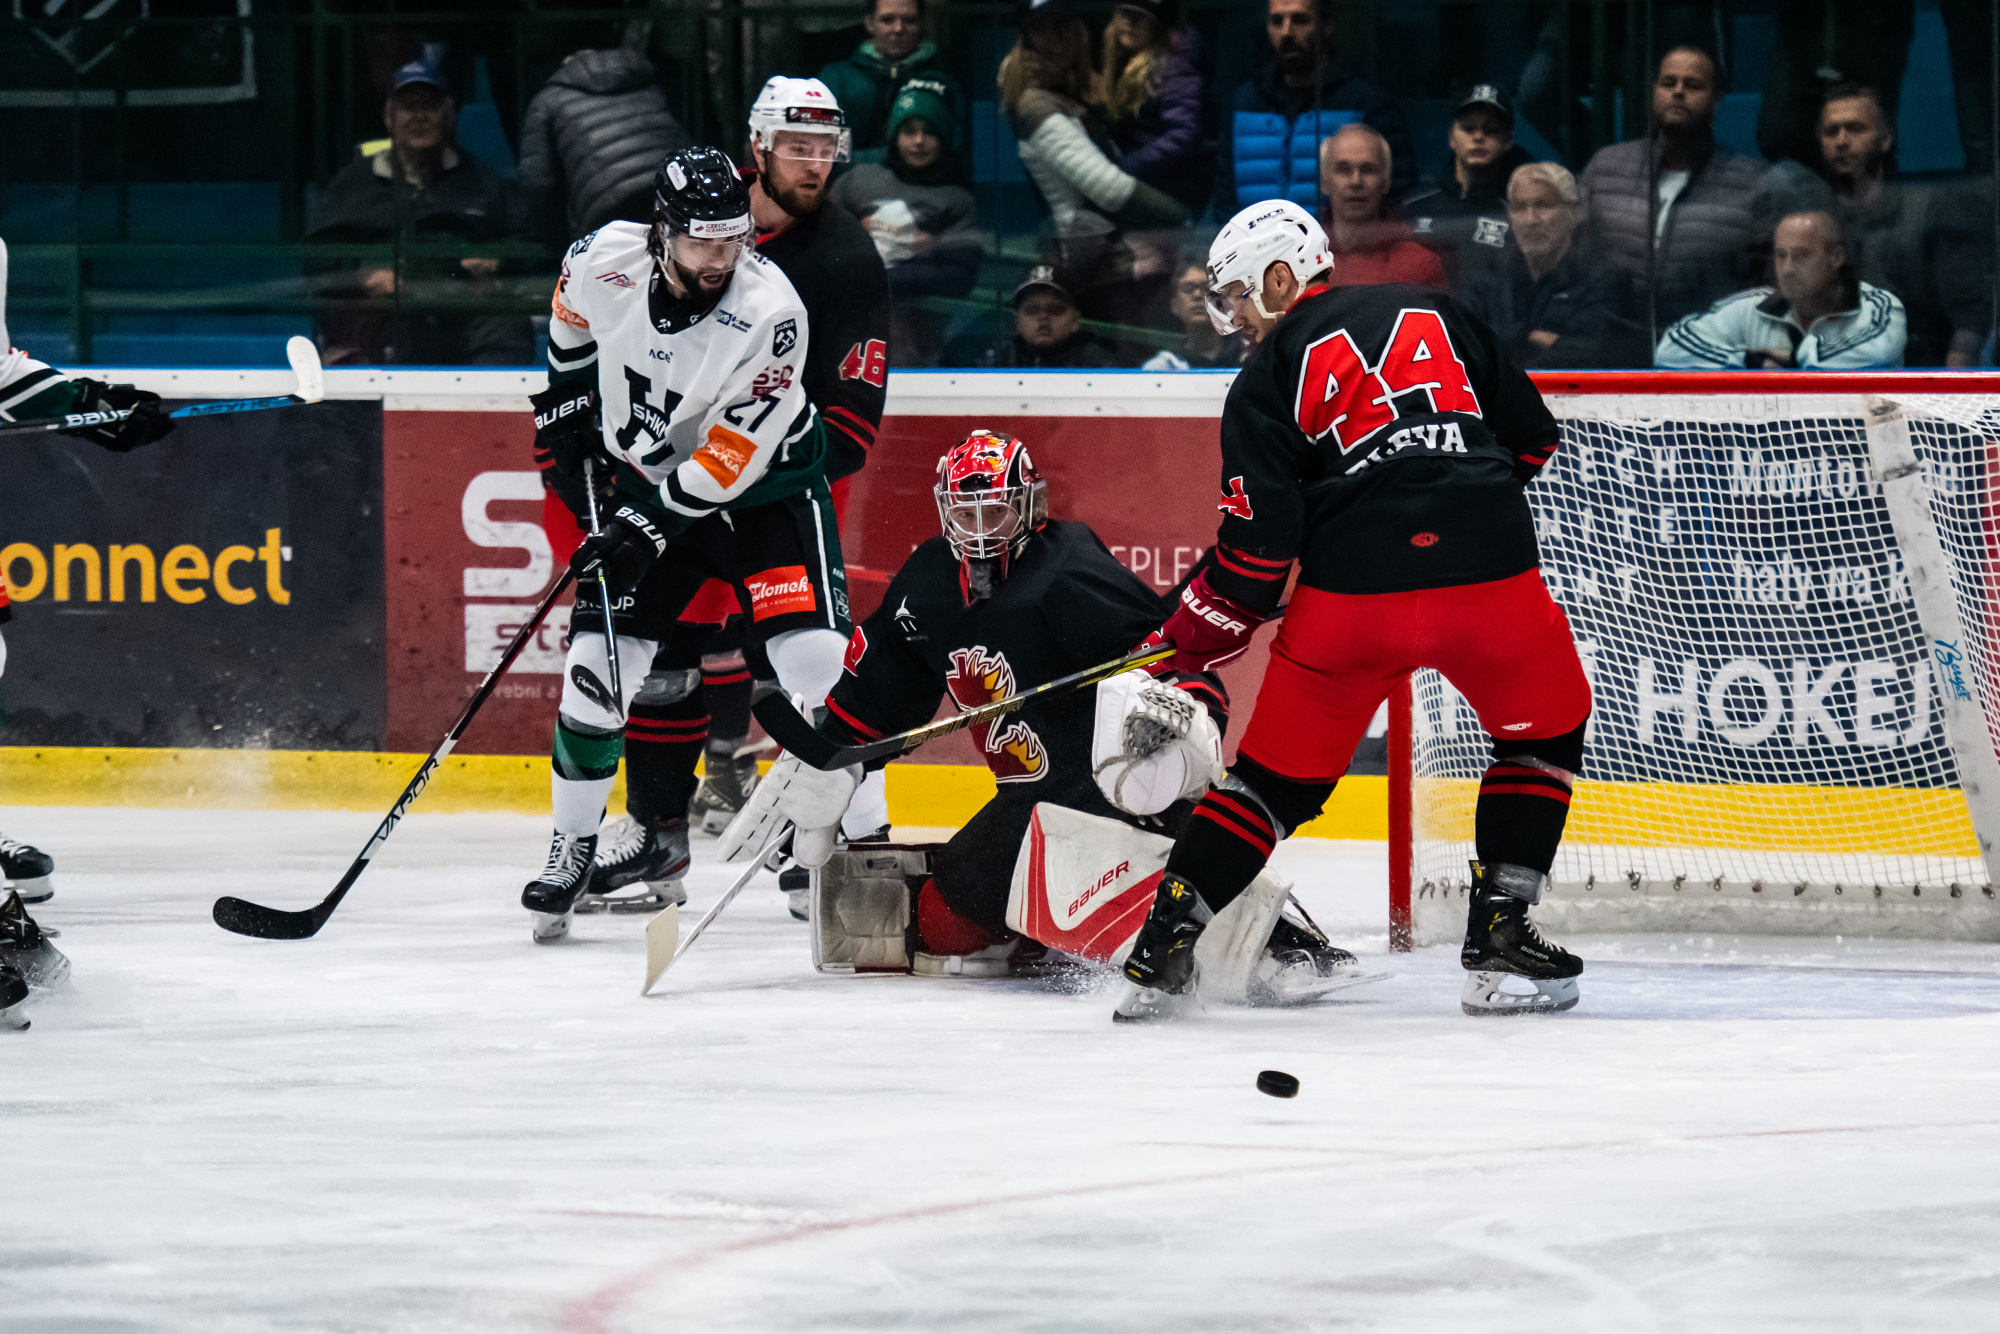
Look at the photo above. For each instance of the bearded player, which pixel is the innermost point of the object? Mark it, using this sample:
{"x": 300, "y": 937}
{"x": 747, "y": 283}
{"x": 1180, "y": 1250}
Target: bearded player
{"x": 674, "y": 358}
{"x": 1004, "y": 600}
{"x": 798, "y": 137}
{"x": 1379, "y": 438}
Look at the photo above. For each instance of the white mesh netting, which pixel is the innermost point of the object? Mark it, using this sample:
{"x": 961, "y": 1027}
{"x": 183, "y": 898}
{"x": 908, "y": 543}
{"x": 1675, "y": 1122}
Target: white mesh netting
{"x": 1768, "y": 751}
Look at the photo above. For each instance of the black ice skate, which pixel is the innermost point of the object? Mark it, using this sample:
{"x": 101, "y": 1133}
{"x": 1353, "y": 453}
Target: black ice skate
{"x": 649, "y": 862}
{"x": 1160, "y": 973}
{"x": 28, "y": 870}
{"x": 551, "y": 896}
{"x": 29, "y": 961}
{"x": 729, "y": 774}
{"x": 1510, "y": 968}
{"x": 1301, "y": 964}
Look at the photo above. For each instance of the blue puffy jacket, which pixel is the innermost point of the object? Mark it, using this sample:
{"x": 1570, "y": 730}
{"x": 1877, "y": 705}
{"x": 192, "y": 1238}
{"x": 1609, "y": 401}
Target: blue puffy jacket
{"x": 1270, "y": 145}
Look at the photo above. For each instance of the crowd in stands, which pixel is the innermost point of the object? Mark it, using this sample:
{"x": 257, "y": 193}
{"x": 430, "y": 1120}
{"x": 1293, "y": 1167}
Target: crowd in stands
{"x": 1666, "y": 250}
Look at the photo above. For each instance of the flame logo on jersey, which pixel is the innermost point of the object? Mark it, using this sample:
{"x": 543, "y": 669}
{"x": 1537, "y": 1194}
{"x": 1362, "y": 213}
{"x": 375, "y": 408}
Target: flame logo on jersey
{"x": 1012, "y": 750}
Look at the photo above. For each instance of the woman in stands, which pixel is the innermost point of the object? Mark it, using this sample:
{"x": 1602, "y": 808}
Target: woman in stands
{"x": 1152, "y": 95}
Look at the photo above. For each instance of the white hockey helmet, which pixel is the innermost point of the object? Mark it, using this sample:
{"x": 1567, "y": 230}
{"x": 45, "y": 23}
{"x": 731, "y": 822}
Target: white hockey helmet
{"x": 805, "y": 106}
{"x": 1276, "y": 231}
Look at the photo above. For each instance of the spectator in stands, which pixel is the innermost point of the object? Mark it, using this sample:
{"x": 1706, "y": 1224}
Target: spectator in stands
{"x": 919, "y": 215}
{"x": 1673, "y": 209}
{"x": 1270, "y": 140}
{"x": 419, "y": 189}
{"x": 1368, "y": 245}
{"x": 866, "y": 83}
{"x": 593, "y": 137}
{"x": 1154, "y": 96}
{"x": 1045, "y": 85}
{"x": 1206, "y": 349}
{"x": 1821, "y": 317}
{"x": 1926, "y": 244}
{"x": 1048, "y": 330}
{"x": 1464, "y": 216}
{"x": 1549, "y": 306}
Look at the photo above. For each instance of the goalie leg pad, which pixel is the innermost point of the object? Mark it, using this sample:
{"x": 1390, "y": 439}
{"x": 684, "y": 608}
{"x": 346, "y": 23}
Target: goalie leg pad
{"x": 863, "y": 904}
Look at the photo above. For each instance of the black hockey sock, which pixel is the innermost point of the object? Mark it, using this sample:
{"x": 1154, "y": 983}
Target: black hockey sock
{"x": 1226, "y": 843}
{"x": 726, "y": 689}
{"x": 1520, "y": 816}
{"x": 662, "y": 743}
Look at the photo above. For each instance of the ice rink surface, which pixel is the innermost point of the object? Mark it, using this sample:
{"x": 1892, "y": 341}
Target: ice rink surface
{"x": 422, "y": 1121}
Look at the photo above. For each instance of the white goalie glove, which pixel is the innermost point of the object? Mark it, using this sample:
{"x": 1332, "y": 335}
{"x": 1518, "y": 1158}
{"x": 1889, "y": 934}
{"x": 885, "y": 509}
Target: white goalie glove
{"x": 1152, "y": 744}
{"x": 811, "y": 799}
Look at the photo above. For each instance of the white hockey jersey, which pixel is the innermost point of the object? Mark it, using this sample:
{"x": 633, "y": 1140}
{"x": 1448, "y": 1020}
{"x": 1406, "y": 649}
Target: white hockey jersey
{"x": 701, "y": 413}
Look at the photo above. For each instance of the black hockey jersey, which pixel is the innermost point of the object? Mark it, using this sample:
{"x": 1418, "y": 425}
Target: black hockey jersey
{"x": 839, "y": 275}
{"x": 1381, "y": 436}
{"x": 1066, "y": 604}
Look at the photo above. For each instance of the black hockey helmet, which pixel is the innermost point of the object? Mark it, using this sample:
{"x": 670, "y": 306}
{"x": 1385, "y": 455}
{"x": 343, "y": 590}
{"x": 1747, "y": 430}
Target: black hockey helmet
{"x": 701, "y": 217}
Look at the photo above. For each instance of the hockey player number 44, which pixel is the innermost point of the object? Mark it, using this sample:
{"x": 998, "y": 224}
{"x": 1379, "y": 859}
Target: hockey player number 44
{"x": 1342, "y": 394}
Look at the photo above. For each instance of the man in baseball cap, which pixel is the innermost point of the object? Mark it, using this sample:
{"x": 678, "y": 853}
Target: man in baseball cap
{"x": 1048, "y": 329}
{"x": 1464, "y": 216}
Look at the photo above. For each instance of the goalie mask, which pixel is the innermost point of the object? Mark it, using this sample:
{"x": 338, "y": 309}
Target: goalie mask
{"x": 990, "y": 501}
{"x": 1276, "y": 231}
{"x": 701, "y": 222}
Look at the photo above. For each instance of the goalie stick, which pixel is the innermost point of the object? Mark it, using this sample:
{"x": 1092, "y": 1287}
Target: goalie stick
{"x": 305, "y": 368}
{"x": 252, "y": 919}
{"x": 664, "y": 946}
{"x": 799, "y": 737}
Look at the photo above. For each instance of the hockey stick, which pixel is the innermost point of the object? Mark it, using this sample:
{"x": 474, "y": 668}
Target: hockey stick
{"x": 251, "y": 919}
{"x": 799, "y": 737}
{"x": 664, "y": 947}
{"x": 604, "y": 596}
{"x": 305, "y": 367}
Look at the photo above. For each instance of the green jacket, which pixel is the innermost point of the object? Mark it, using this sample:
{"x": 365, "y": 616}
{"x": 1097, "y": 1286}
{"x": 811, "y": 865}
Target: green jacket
{"x": 865, "y": 85}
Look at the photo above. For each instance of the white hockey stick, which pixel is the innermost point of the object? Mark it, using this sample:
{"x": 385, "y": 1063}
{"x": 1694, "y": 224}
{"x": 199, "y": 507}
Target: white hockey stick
{"x": 305, "y": 369}
{"x": 664, "y": 947}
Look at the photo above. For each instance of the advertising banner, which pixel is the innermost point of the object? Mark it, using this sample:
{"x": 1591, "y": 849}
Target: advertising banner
{"x": 220, "y": 588}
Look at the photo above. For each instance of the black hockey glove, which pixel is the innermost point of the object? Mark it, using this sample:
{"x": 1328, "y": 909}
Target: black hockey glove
{"x": 148, "y": 422}
{"x": 567, "y": 430}
{"x": 625, "y": 550}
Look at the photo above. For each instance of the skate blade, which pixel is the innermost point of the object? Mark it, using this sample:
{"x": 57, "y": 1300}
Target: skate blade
{"x": 39, "y": 890}
{"x": 1510, "y": 993}
{"x": 1146, "y": 1005}
{"x": 652, "y": 901}
{"x": 548, "y": 927}
{"x": 46, "y": 967}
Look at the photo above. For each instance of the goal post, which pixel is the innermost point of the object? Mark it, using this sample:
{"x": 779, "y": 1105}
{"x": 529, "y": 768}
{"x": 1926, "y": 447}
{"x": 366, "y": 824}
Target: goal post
{"x": 1785, "y": 589}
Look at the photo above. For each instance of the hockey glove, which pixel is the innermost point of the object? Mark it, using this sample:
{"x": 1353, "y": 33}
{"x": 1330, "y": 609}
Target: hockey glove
{"x": 1206, "y": 630}
{"x": 148, "y": 422}
{"x": 567, "y": 429}
{"x": 813, "y": 801}
{"x": 1152, "y": 745}
{"x": 625, "y": 550}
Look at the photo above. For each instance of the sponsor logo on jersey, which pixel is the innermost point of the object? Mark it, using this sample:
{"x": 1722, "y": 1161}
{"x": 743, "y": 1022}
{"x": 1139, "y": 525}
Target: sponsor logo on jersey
{"x": 660, "y": 354}
{"x": 784, "y": 338}
{"x": 1490, "y": 231}
{"x": 565, "y": 314}
{"x": 1235, "y": 502}
{"x": 1104, "y": 882}
{"x": 770, "y": 383}
{"x": 1424, "y": 540}
{"x": 724, "y": 455}
{"x": 857, "y": 649}
{"x": 732, "y": 321}
{"x": 616, "y": 279}
{"x": 1515, "y": 727}
{"x": 1013, "y": 752}
{"x": 782, "y": 591}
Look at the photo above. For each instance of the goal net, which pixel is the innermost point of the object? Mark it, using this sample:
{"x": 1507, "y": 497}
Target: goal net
{"x": 1785, "y": 604}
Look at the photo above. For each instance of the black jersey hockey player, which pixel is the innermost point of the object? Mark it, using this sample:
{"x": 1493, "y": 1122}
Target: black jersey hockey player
{"x": 1380, "y": 438}
{"x": 1004, "y": 600}
{"x": 797, "y": 137}
{"x": 675, "y": 354}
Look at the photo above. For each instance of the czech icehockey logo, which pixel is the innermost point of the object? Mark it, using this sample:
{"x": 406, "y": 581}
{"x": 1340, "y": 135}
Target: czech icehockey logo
{"x": 1010, "y": 747}
{"x": 784, "y": 338}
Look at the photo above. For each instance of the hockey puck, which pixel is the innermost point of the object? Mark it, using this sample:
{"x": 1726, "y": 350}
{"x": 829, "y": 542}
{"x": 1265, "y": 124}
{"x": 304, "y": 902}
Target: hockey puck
{"x": 1277, "y": 1083}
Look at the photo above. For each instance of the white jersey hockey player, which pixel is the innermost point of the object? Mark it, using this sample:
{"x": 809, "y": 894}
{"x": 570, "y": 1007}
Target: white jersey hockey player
{"x": 676, "y": 356}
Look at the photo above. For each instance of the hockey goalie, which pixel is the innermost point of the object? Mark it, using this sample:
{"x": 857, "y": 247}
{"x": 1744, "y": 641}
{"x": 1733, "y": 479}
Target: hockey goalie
{"x": 1092, "y": 786}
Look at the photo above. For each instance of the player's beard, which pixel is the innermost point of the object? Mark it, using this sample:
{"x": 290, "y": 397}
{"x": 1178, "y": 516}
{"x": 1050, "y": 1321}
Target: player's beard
{"x": 690, "y": 283}
{"x": 794, "y": 198}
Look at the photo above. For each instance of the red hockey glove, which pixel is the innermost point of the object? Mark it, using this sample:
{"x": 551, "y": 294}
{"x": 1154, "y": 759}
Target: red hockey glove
{"x": 1206, "y": 630}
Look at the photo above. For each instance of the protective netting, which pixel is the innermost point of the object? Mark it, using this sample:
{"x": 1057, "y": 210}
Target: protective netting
{"x": 1767, "y": 749}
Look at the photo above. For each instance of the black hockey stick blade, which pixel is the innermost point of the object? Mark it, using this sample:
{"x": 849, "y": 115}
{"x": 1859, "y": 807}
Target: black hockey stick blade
{"x": 254, "y": 919}
{"x": 799, "y": 737}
